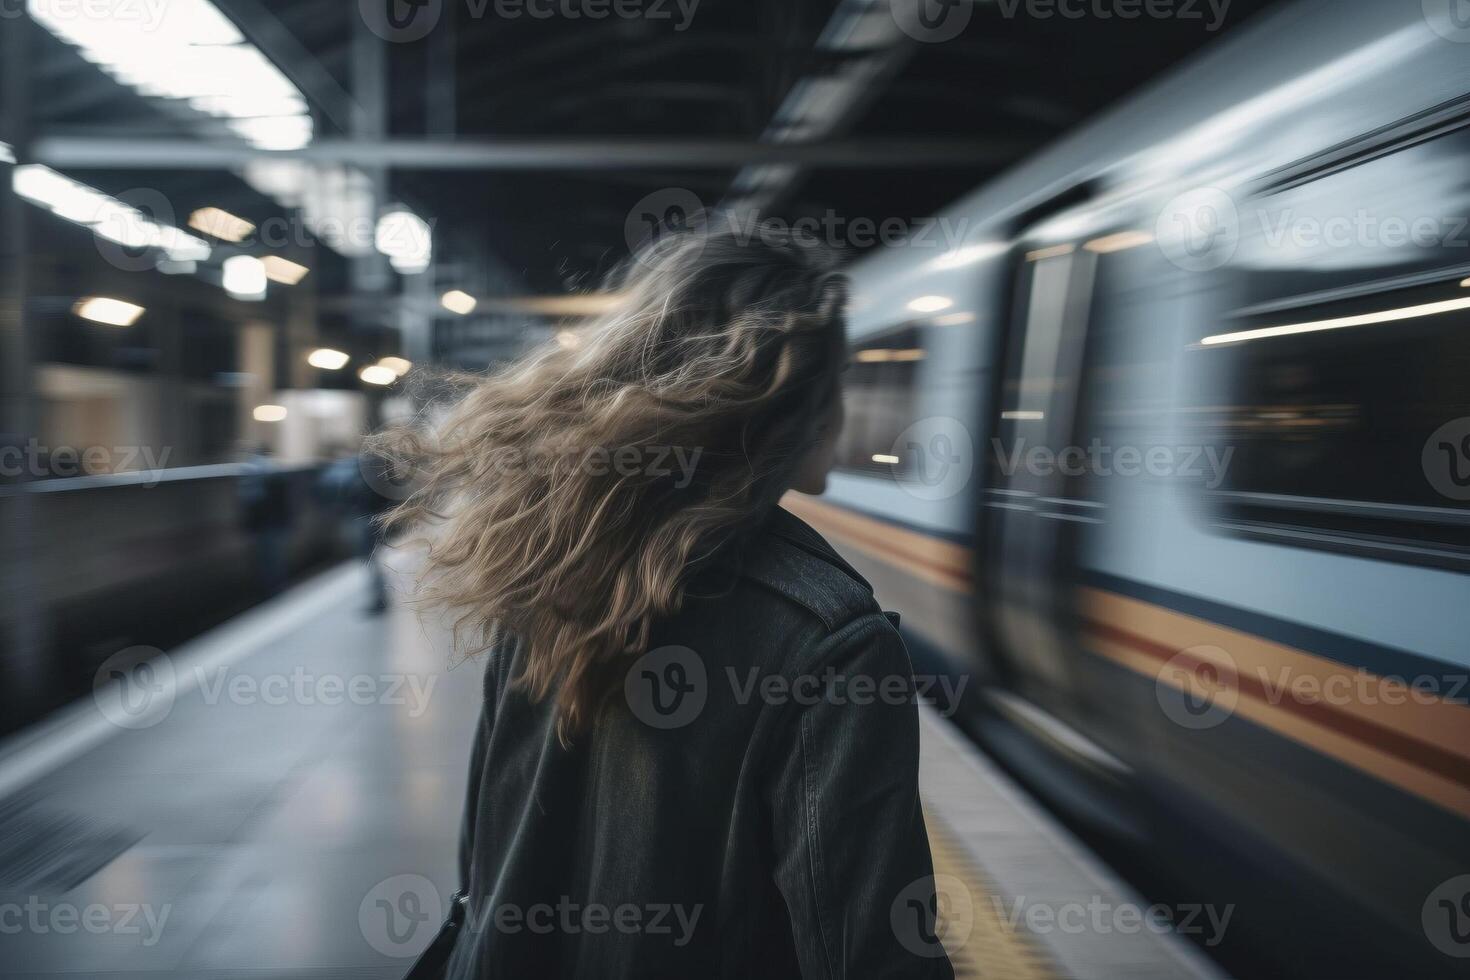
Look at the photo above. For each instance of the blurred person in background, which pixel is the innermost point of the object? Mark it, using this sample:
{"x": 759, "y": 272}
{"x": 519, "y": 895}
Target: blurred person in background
{"x": 348, "y": 485}
{"x": 604, "y": 524}
{"x": 265, "y": 505}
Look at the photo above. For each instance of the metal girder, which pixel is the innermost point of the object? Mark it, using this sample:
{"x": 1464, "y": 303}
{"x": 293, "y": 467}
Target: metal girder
{"x": 517, "y": 153}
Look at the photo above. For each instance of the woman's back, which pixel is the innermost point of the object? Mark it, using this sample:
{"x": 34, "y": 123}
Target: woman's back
{"x": 745, "y": 805}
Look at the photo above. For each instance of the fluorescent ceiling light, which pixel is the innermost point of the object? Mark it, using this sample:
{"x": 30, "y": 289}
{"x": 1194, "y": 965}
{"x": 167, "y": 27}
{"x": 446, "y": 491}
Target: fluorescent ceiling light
{"x": 398, "y": 365}
{"x": 269, "y": 413}
{"x": 327, "y": 359}
{"x": 188, "y": 52}
{"x": 244, "y": 277}
{"x": 880, "y": 355}
{"x": 1050, "y": 252}
{"x": 930, "y": 304}
{"x": 221, "y": 224}
{"x": 405, "y": 238}
{"x": 108, "y": 217}
{"x": 377, "y": 374}
{"x": 1339, "y": 323}
{"x": 1118, "y": 242}
{"x": 885, "y": 458}
{"x": 458, "y": 301}
{"x": 1020, "y": 415}
{"x": 113, "y": 312}
{"x": 283, "y": 271}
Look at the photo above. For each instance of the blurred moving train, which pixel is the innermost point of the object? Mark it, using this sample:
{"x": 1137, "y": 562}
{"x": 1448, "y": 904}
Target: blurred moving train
{"x": 1168, "y": 449}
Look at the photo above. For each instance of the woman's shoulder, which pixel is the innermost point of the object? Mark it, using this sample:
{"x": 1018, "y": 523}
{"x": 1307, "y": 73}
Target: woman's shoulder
{"x": 789, "y": 558}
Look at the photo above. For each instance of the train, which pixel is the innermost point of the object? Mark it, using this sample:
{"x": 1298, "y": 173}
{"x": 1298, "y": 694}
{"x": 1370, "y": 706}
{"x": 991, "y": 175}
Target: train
{"x": 1163, "y": 442}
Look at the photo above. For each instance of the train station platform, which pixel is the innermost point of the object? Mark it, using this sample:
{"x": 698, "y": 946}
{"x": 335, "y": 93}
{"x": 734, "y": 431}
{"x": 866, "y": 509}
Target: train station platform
{"x": 280, "y": 798}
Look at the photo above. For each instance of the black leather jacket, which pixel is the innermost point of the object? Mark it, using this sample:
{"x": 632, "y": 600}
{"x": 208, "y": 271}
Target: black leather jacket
{"x": 747, "y": 807}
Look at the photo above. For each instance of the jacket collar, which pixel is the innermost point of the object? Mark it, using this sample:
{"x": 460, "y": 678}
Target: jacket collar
{"x": 787, "y": 526}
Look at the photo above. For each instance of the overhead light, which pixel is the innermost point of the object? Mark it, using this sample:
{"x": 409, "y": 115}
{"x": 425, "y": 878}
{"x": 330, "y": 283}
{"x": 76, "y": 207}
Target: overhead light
{"x": 1118, "y": 242}
{"x": 269, "y": 413}
{"x": 1050, "y": 252}
{"x": 930, "y": 304}
{"x": 283, "y": 271}
{"x": 377, "y": 374}
{"x": 1023, "y": 416}
{"x": 1465, "y": 283}
{"x": 113, "y": 312}
{"x": 1338, "y": 323}
{"x": 977, "y": 252}
{"x": 458, "y": 301}
{"x": 108, "y": 217}
{"x": 398, "y": 365}
{"x": 876, "y": 355}
{"x": 885, "y": 458}
{"x": 405, "y": 238}
{"x": 221, "y": 224}
{"x": 244, "y": 277}
{"x": 327, "y": 359}
{"x": 188, "y": 52}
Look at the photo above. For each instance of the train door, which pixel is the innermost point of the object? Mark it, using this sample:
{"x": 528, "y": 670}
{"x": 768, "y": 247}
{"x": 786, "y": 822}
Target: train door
{"x": 1029, "y": 514}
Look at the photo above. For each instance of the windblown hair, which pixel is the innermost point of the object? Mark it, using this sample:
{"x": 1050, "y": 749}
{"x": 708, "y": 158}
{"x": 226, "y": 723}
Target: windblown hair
{"x": 550, "y": 492}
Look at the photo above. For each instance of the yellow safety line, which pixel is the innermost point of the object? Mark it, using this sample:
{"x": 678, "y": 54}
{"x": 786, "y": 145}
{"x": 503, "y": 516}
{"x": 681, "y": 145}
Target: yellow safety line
{"x": 990, "y": 946}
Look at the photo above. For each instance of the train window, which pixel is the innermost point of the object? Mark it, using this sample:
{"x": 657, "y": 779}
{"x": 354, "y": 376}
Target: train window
{"x": 1341, "y": 392}
{"x": 879, "y": 398}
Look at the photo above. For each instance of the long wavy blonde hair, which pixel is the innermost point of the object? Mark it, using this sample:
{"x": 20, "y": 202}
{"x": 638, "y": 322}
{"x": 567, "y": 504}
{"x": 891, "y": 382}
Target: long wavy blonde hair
{"x": 569, "y": 496}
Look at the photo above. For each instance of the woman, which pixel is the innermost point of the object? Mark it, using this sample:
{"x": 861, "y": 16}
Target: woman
{"x": 699, "y": 748}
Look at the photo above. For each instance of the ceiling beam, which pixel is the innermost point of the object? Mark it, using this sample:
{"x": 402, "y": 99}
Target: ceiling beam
{"x": 530, "y": 153}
